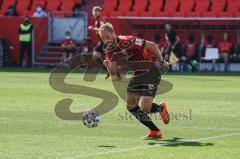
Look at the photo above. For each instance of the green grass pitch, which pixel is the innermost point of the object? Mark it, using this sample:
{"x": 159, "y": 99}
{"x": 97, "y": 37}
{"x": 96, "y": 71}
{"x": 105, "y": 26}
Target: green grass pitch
{"x": 205, "y": 110}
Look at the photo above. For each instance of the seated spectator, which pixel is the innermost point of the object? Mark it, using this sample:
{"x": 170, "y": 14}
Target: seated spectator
{"x": 11, "y": 11}
{"x": 68, "y": 46}
{"x": 191, "y": 54}
{"x": 209, "y": 42}
{"x": 40, "y": 12}
{"x": 225, "y": 48}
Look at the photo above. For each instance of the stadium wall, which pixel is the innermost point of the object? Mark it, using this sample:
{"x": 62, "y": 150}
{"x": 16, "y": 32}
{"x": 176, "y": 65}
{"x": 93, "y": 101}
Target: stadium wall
{"x": 9, "y": 31}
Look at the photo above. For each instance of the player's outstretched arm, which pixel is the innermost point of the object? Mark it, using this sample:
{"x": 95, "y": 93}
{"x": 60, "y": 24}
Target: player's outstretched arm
{"x": 92, "y": 28}
{"x": 152, "y": 47}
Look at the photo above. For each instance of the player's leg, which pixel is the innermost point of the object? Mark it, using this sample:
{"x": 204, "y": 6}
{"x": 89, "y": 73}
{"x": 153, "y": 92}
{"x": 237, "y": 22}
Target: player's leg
{"x": 22, "y": 50}
{"x": 97, "y": 53}
{"x": 133, "y": 107}
{"x": 96, "y": 57}
{"x": 70, "y": 55}
{"x": 147, "y": 106}
{"x": 29, "y": 52}
{"x": 226, "y": 62}
{"x": 64, "y": 57}
{"x": 148, "y": 92}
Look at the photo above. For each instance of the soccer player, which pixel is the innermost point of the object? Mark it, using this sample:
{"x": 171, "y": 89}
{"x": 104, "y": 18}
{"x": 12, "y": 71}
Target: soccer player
{"x": 98, "y": 52}
{"x": 144, "y": 83}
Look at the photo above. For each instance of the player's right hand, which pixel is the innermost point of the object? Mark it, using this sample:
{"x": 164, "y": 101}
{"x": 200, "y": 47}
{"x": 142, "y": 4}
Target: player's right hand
{"x": 164, "y": 67}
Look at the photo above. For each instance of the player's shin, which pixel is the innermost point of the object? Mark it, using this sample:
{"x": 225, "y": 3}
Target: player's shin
{"x": 143, "y": 118}
{"x": 156, "y": 108}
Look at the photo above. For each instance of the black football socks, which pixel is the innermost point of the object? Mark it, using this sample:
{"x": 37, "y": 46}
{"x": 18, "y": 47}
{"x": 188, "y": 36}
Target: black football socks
{"x": 156, "y": 108}
{"x": 143, "y": 118}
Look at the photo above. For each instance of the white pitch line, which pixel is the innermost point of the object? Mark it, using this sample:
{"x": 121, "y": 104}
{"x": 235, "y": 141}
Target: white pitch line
{"x": 153, "y": 146}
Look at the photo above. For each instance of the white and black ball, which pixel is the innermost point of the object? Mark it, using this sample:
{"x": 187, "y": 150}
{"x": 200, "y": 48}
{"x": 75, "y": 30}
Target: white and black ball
{"x": 91, "y": 118}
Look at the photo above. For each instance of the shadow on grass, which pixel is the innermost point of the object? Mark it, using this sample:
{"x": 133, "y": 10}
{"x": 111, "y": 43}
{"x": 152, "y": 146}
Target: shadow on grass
{"x": 106, "y": 146}
{"x": 178, "y": 142}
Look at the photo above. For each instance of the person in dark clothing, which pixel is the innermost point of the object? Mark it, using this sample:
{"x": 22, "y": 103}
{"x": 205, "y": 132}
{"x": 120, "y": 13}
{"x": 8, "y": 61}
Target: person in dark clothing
{"x": 173, "y": 40}
{"x": 11, "y": 11}
{"x": 25, "y": 38}
{"x": 5, "y": 49}
{"x": 174, "y": 46}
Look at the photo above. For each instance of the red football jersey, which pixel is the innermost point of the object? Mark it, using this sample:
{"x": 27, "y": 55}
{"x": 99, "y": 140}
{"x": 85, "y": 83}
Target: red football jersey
{"x": 225, "y": 47}
{"x": 68, "y": 42}
{"x": 129, "y": 47}
{"x": 99, "y": 21}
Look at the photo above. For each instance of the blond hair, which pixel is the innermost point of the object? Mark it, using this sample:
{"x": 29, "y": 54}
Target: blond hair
{"x": 97, "y": 8}
{"x": 107, "y": 27}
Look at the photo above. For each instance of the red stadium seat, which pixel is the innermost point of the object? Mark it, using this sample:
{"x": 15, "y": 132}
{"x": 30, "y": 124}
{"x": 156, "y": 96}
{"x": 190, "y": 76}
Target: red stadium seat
{"x": 109, "y": 7}
{"x": 154, "y": 7}
{"x": 186, "y": 6}
{"x": 53, "y": 5}
{"x": 28, "y": 13}
{"x": 237, "y": 14}
{"x": 216, "y": 8}
{"x": 226, "y": 14}
{"x": 22, "y": 6}
{"x": 163, "y": 14}
{"x": 171, "y": 5}
{"x": 68, "y": 5}
{"x": 201, "y": 6}
{"x": 6, "y": 4}
{"x": 123, "y": 8}
{"x": 233, "y": 6}
{"x": 170, "y": 8}
{"x": 140, "y": 7}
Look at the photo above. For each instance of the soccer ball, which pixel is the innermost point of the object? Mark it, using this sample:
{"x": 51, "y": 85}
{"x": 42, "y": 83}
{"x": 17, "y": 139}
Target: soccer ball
{"x": 91, "y": 118}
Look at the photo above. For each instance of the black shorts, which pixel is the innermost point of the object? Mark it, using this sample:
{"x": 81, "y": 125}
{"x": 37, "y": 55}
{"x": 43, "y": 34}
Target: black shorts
{"x": 145, "y": 83}
{"x": 100, "y": 48}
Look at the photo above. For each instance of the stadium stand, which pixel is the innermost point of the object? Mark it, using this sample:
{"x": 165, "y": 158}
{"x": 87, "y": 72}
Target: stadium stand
{"x": 22, "y": 6}
{"x": 109, "y": 7}
{"x": 139, "y": 7}
{"x": 215, "y": 8}
{"x": 6, "y": 4}
{"x": 153, "y": 8}
{"x": 183, "y": 8}
{"x": 27, "y": 7}
{"x": 124, "y": 8}
{"x": 53, "y": 5}
{"x": 146, "y": 8}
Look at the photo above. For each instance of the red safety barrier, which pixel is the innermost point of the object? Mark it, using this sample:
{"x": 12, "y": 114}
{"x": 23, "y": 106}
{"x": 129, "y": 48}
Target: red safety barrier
{"x": 9, "y": 30}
